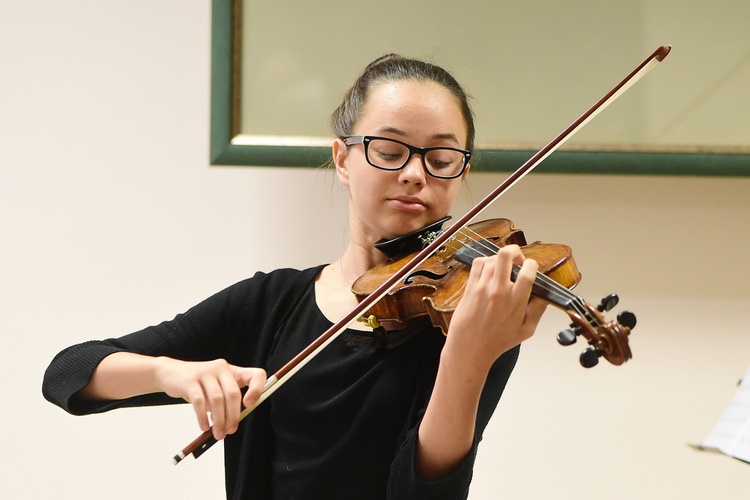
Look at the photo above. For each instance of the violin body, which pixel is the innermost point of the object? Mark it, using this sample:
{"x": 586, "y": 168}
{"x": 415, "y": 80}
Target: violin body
{"x": 434, "y": 289}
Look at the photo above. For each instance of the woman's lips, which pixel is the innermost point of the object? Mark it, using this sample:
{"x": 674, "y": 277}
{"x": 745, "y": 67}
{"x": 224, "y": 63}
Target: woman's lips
{"x": 408, "y": 203}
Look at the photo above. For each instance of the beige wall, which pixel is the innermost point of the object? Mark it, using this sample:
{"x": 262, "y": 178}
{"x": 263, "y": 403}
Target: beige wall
{"x": 112, "y": 219}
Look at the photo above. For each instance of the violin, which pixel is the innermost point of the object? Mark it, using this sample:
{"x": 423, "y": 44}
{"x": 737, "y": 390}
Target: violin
{"x": 434, "y": 289}
{"x": 606, "y": 339}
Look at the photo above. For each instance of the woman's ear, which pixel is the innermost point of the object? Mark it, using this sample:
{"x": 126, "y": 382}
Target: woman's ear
{"x": 340, "y": 153}
{"x": 466, "y": 172}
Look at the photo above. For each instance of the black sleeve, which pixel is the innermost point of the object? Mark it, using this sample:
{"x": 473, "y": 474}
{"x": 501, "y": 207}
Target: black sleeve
{"x": 222, "y": 326}
{"x": 404, "y": 482}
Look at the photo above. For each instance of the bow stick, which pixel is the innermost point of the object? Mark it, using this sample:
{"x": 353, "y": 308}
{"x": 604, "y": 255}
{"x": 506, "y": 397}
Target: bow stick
{"x": 203, "y": 442}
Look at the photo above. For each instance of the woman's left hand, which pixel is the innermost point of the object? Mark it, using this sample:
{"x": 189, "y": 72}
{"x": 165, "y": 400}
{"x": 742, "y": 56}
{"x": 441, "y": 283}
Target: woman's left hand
{"x": 495, "y": 314}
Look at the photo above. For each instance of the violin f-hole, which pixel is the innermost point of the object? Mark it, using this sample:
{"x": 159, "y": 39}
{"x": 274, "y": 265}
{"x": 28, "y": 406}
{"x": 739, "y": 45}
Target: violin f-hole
{"x": 427, "y": 274}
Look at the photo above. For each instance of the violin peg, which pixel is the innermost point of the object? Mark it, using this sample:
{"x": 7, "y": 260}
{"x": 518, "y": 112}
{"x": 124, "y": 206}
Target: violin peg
{"x": 568, "y": 336}
{"x": 608, "y": 302}
{"x": 590, "y": 357}
{"x": 627, "y": 318}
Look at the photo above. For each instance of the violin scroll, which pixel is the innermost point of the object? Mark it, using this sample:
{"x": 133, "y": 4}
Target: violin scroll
{"x": 607, "y": 339}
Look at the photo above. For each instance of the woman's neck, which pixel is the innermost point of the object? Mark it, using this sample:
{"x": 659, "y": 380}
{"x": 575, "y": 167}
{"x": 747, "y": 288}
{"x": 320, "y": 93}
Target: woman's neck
{"x": 333, "y": 292}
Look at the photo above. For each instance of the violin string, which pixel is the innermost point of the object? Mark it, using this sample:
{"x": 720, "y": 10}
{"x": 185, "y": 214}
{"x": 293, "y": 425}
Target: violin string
{"x": 555, "y": 289}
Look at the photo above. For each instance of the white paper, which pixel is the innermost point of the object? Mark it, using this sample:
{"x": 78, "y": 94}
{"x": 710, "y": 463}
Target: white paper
{"x": 731, "y": 435}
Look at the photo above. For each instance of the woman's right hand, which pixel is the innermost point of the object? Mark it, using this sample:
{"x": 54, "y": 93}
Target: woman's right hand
{"x": 213, "y": 388}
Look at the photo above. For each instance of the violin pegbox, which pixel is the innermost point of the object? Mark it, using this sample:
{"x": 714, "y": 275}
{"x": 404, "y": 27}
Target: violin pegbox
{"x": 605, "y": 338}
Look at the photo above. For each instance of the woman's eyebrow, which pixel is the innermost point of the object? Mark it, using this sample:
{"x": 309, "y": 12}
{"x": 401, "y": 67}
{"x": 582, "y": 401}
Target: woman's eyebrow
{"x": 397, "y": 131}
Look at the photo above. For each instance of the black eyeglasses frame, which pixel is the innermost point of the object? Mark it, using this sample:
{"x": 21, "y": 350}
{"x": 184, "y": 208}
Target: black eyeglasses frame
{"x": 351, "y": 140}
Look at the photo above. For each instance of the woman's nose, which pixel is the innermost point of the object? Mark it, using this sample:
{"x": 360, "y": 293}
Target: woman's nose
{"x": 413, "y": 171}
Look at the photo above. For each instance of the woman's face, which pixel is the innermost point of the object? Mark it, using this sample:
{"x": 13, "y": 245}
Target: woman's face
{"x": 386, "y": 204}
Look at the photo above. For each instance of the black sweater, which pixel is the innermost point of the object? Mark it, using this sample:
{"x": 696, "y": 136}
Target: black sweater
{"x": 344, "y": 427}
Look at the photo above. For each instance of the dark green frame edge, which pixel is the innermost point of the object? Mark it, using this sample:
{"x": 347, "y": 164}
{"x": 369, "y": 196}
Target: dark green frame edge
{"x": 222, "y": 152}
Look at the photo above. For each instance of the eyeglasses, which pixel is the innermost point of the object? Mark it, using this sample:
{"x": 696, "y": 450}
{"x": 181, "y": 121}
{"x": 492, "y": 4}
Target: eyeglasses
{"x": 390, "y": 154}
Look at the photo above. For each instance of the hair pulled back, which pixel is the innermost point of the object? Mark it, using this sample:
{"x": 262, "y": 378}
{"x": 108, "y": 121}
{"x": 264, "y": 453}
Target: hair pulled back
{"x": 394, "y": 68}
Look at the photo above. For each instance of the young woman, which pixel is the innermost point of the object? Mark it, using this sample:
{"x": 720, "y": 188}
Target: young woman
{"x": 366, "y": 418}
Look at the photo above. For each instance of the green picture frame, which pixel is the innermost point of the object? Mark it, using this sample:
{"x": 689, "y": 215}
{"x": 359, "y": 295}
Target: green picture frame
{"x": 226, "y": 51}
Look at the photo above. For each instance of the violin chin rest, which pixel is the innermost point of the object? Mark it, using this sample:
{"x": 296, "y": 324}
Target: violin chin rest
{"x": 411, "y": 242}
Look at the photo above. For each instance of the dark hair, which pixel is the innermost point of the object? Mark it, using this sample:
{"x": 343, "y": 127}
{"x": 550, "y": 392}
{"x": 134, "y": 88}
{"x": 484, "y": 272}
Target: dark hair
{"x": 393, "y": 68}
